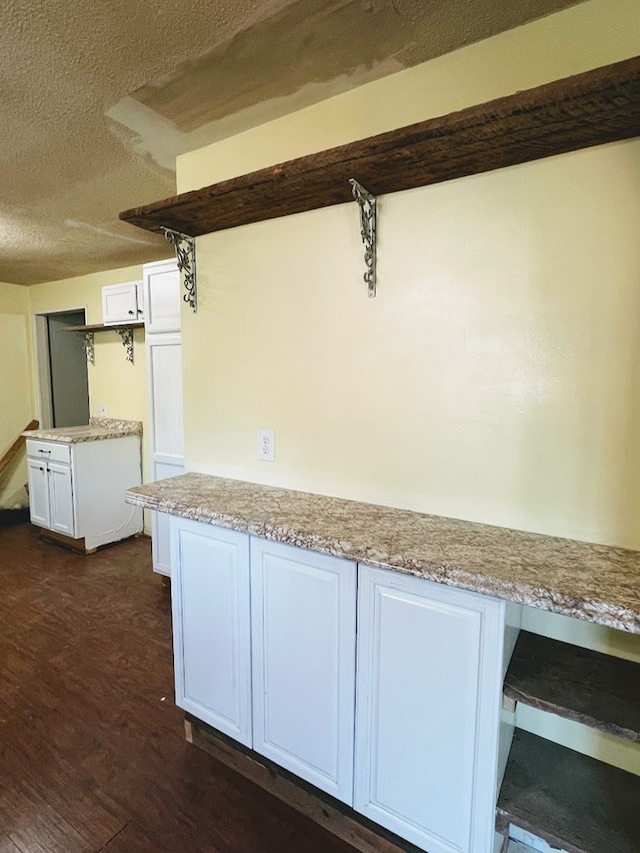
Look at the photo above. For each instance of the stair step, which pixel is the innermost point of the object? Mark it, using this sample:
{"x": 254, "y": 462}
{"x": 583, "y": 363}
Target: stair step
{"x": 595, "y": 689}
{"x": 570, "y": 800}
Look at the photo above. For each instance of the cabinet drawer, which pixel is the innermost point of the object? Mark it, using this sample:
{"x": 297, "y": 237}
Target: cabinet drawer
{"x": 49, "y": 450}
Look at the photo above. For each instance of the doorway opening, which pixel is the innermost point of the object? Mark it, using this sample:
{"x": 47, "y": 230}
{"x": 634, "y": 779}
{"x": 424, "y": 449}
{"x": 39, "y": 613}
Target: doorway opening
{"x": 63, "y": 380}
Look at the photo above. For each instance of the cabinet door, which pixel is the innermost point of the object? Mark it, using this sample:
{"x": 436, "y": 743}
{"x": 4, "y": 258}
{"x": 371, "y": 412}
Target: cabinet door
{"x": 211, "y": 625}
{"x": 428, "y": 709}
{"x": 160, "y": 522}
{"x": 164, "y": 428}
{"x": 303, "y": 631}
{"x": 61, "y": 498}
{"x": 162, "y": 297}
{"x": 120, "y": 303}
{"x": 38, "y": 493}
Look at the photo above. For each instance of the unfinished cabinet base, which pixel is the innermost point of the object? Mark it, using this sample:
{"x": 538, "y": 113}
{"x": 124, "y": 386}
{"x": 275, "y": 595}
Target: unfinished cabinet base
{"x": 324, "y": 810}
{"x": 77, "y": 545}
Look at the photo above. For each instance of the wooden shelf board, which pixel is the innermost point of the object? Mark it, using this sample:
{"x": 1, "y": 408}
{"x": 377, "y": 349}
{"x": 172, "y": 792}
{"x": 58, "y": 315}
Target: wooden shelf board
{"x": 598, "y": 690}
{"x": 570, "y": 800}
{"x": 100, "y": 327}
{"x": 519, "y": 847}
{"x": 598, "y": 106}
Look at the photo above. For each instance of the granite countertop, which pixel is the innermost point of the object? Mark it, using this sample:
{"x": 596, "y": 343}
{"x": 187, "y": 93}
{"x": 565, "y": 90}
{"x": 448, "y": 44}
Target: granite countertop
{"x": 597, "y": 583}
{"x": 97, "y": 429}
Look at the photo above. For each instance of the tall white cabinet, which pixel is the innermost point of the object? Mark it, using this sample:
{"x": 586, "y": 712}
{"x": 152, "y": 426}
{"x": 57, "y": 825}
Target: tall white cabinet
{"x": 165, "y": 436}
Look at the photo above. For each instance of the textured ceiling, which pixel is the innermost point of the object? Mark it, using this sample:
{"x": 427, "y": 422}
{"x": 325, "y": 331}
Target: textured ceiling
{"x": 98, "y": 98}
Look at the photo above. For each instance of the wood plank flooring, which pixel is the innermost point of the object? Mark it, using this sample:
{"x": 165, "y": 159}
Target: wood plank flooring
{"x": 92, "y": 752}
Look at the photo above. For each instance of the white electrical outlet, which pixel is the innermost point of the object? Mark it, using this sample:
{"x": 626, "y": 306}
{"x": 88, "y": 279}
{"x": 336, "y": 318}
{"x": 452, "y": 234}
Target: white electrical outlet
{"x": 102, "y": 410}
{"x": 266, "y": 445}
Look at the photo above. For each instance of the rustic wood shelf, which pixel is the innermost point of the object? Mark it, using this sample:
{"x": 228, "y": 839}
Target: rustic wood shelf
{"x": 598, "y": 690}
{"x": 124, "y": 329}
{"x": 518, "y": 847}
{"x": 598, "y": 106}
{"x": 100, "y": 327}
{"x": 570, "y": 800}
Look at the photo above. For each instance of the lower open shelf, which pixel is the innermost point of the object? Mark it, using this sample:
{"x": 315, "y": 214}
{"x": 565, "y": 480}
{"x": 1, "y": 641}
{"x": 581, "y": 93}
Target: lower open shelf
{"x": 570, "y": 800}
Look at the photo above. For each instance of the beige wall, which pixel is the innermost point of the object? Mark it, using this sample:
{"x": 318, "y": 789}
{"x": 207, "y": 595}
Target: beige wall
{"x": 17, "y": 406}
{"x": 495, "y": 376}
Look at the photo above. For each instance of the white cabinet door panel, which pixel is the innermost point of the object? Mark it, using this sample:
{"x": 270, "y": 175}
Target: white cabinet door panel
{"x": 303, "y": 632}
{"x": 160, "y": 522}
{"x": 120, "y": 303}
{"x": 61, "y": 496}
{"x": 428, "y": 707}
{"x": 39, "y": 493}
{"x": 162, "y": 297}
{"x": 211, "y": 615}
{"x": 165, "y": 388}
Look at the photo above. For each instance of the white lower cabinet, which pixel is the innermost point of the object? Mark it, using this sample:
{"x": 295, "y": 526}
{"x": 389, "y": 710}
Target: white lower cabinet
{"x": 304, "y": 632}
{"x": 77, "y": 488}
{"x": 51, "y": 495}
{"x": 428, "y": 708}
{"x": 265, "y": 651}
{"x": 211, "y": 625}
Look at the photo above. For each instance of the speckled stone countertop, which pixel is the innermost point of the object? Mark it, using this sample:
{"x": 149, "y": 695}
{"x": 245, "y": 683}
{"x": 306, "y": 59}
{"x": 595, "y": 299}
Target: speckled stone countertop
{"x": 597, "y": 583}
{"x": 97, "y": 429}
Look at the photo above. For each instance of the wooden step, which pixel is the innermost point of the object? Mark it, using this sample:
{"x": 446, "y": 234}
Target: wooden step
{"x": 568, "y": 799}
{"x": 598, "y": 106}
{"x": 598, "y": 690}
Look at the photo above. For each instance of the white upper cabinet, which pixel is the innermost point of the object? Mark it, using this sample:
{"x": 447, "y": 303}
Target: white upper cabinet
{"x": 428, "y": 710}
{"x": 303, "y": 609}
{"x": 122, "y": 303}
{"x": 161, "y": 281}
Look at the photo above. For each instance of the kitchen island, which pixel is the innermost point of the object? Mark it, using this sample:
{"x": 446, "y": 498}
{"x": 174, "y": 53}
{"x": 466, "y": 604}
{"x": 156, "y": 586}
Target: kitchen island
{"x": 77, "y": 480}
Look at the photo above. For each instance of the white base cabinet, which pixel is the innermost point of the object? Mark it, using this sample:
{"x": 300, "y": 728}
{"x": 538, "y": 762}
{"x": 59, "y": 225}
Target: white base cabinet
{"x": 77, "y": 489}
{"x": 211, "y": 619}
{"x": 265, "y": 651}
{"x": 428, "y": 710}
{"x": 303, "y": 608}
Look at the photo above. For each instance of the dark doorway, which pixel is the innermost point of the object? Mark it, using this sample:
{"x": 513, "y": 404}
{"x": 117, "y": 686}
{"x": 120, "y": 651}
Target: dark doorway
{"x": 68, "y": 366}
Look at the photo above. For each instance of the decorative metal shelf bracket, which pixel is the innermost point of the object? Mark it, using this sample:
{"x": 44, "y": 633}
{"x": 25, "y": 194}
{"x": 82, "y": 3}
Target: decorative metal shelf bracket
{"x": 368, "y": 226}
{"x": 127, "y": 341}
{"x": 89, "y": 348}
{"x": 185, "y": 248}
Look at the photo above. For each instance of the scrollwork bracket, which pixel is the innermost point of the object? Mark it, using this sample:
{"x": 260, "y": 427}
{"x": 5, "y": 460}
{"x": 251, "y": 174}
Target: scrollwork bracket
{"x": 185, "y": 249}
{"x": 368, "y": 226}
{"x": 127, "y": 341}
{"x": 89, "y": 347}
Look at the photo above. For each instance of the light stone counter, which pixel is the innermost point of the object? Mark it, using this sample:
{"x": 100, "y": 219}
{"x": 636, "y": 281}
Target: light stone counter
{"x": 98, "y": 429}
{"x": 597, "y": 583}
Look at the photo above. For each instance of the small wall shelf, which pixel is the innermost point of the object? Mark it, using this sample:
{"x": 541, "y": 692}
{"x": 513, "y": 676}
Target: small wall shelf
{"x": 598, "y": 106}
{"x": 570, "y": 800}
{"x": 597, "y": 690}
{"x": 125, "y": 330}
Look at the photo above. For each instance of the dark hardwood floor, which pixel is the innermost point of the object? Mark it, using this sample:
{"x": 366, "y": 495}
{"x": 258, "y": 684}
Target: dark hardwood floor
{"x": 92, "y": 751}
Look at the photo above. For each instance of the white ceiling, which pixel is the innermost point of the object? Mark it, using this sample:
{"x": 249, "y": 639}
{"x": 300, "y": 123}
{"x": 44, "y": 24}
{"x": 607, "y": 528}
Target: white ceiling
{"x": 97, "y": 98}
